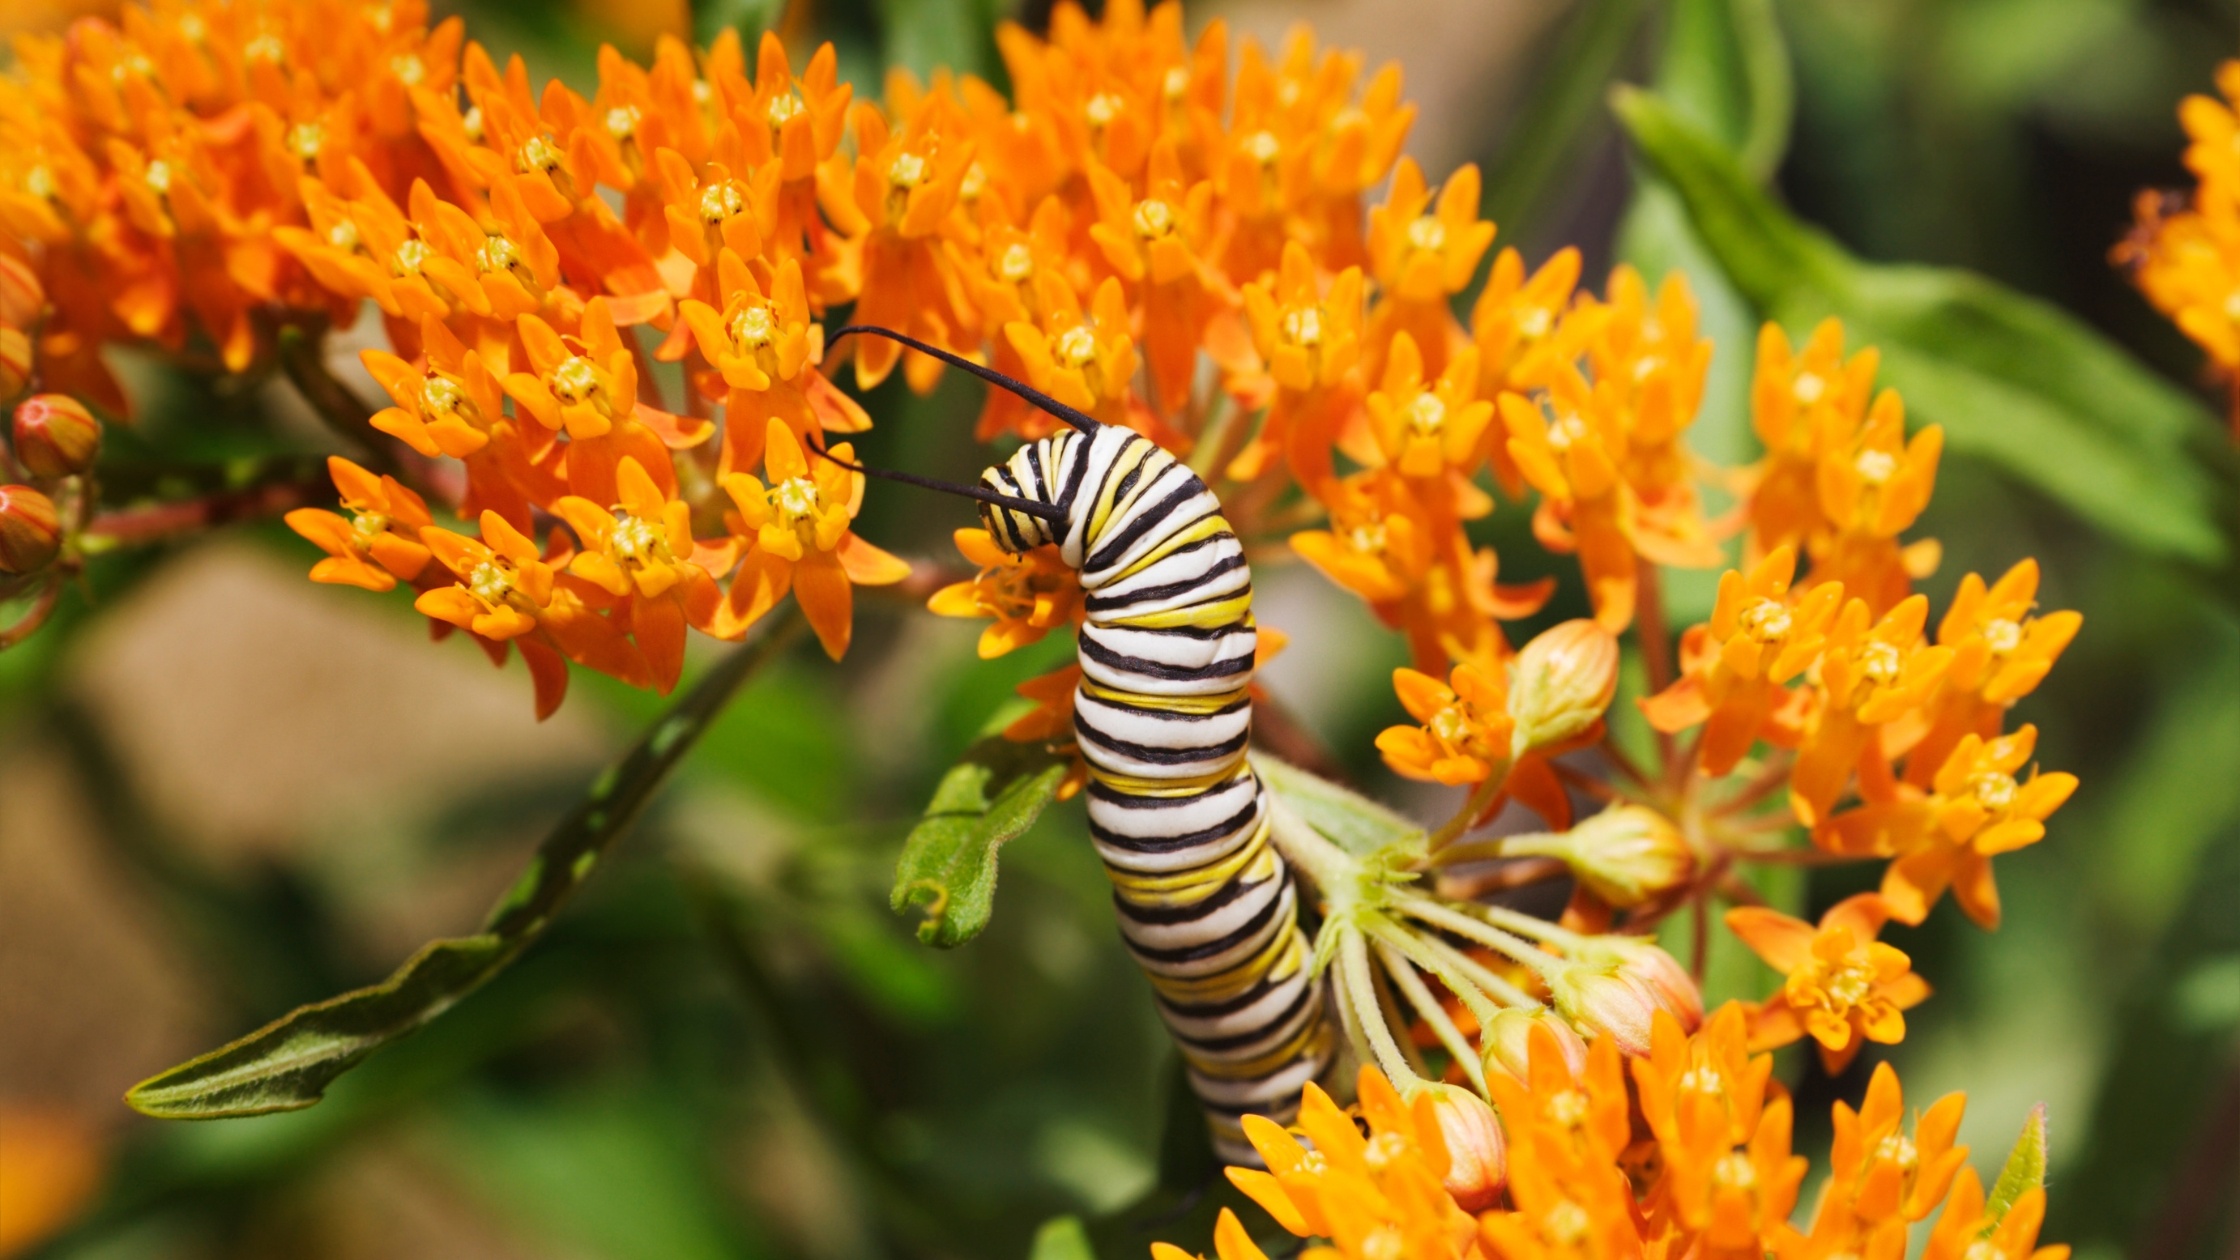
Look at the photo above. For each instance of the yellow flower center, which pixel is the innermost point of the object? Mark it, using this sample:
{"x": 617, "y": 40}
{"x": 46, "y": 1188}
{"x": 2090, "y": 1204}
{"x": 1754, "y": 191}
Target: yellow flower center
{"x": 622, "y": 121}
{"x": 1389, "y": 1243}
{"x": 1809, "y": 388}
{"x": 753, "y": 327}
{"x": 1535, "y": 322}
{"x": 379, "y": 17}
{"x": 492, "y": 582}
{"x": 1176, "y": 83}
{"x": 974, "y": 183}
{"x": 1568, "y": 1108}
{"x": 305, "y": 140}
{"x": 1262, "y": 147}
{"x": 1427, "y": 414}
{"x": 193, "y": 27}
{"x": 537, "y": 154}
{"x": 2002, "y": 636}
{"x": 638, "y": 541}
{"x": 1566, "y": 1224}
{"x": 1875, "y": 466}
{"x": 408, "y": 69}
{"x": 1015, "y": 263}
{"x": 265, "y": 47}
{"x": 1102, "y": 109}
{"x": 1702, "y": 1079}
{"x": 1567, "y": 431}
{"x": 1302, "y": 326}
{"x": 441, "y": 396}
{"x": 39, "y": 182}
{"x": 498, "y": 253}
{"x": 1766, "y": 620}
{"x": 368, "y": 525}
{"x": 1994, "y": 789}
{"x": 1452, "y": 728}
{"x": 409, "y": 257}
{"x": 1154, "y": 218}
{"x": 158, "y": 176}
{"x": 471, "y": 123}
{"x": 1077, "y": 346}
{"x": 1427, "y": 234}
{"x": 783, "y": 108}
{"x": 1881, "y": 662}
{"x": 1385, "y": 1150}
{"x": 720, "y": 201}
{"x": 908, "y": 170}
{"x": 1983, "y": 1249}
{"x": 1847, "y": 986}
{"x": 1735, "y": 1171}
{"x": 797, "y": 499}
{"x": 1898, "y": 1149}
{"x": 575, "y": 380}
{"x": 2232, "y": 306}
{"x": 1367, "y": 539}
{"x": 343, "y": 236}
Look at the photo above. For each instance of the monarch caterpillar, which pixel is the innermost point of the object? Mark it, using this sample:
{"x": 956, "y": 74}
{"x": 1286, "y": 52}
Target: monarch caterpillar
{"x": 1163, "y": 715}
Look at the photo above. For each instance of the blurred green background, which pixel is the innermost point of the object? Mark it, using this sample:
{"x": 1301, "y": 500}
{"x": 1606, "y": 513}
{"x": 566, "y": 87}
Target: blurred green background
{"x": 224, "y": 791}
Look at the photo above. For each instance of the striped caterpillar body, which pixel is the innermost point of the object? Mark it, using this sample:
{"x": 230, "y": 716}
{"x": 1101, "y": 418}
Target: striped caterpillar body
{"x": 1163, "y": 715}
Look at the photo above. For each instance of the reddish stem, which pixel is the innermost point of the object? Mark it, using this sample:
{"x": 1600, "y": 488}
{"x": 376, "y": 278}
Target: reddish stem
{"x": 158, "y": 521}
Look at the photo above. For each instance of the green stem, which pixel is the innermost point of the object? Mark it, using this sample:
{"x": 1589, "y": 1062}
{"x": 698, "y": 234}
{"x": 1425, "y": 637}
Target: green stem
{"x": 1360, "y": 990}
{"x": 1479, "y": 974}
{"x": 1412, "y": 987}
{"x": 1480, "y": 797}
{"x": 1516, "y": 948}
{"x": 1527, "y": 925}
{"x": 1329, "y": 868}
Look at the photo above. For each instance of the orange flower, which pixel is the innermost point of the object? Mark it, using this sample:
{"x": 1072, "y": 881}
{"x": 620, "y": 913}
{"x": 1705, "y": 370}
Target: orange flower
{"x": 1382, "y": 1194}
{"x": 379, "y": 545}
{"x": 1871, "y": 488}
{"x": 507, "y": 592}
{"x": 1376, "y": 546}
{"x": 1027, "y": 594}
{"x": 1738, "y": 662}
{"x": 1801, "y": 403}
{"x": 903, "y": 186}
{"x": 587, "y": 385}
{"x": 1435, "y": 432}
{"x": 1842, "y": 986}
{"x": 1422, "y": 256}
{"x": 1309, "y": 341}
{"x": 2000, "y": 654}
{"x": 1869, "y": 676}
{"x": 1876, "y": 1172}
{"x": 1568, "y": 442}
{"x": 1465, "y": 731}
{"x": 1084, "y": 360}
{"x": 800, "y": 541}
{"x": 1969, "y": 1229}
{"x": 1157, "y": 243}
{"x": 1230, "y": 1242}
{"x": 1729, "y": 1180}
{"x": 765, "y": 352}
{"x": 1566, "y": 1134}
{"x": 642, "y": 551}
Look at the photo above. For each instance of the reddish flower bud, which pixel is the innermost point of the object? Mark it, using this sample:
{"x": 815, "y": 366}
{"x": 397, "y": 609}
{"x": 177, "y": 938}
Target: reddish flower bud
{"x": 1603, "y": 1001}
{"x": 1477, "y": 1164}
{"x": 1561, "y": 683}
{"x": 15, "y": 361}
{"x": 1624, "y": 855}
{"x": 56, "y": 436}
{"x": 21, "y": 297}
{"x": 1507, "y": 1042}
{"x": 30, "y": 531}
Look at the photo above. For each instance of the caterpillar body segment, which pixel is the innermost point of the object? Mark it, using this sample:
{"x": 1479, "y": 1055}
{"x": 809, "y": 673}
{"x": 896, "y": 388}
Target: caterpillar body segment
{"x": 1163, "y": 715}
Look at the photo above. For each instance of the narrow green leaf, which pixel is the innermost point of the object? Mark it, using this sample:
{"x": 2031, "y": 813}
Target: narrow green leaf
{"x": 750, "y": 18}
{"x": 1351, "y": 821}
{"x": 2013, "y": 380}
{"x": 1726, "y": 68}
{"x": 948, "y": 866}
{"x": 1062, "y": 1238}
{"x": 289, "y": 1063}
{"x": 2026, "y": 1166}
{"x": 1559, "y": 110}
{"x": 922, "y": 35}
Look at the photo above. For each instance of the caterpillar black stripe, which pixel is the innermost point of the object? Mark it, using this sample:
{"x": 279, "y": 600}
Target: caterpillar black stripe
{"x": 1206, "y": 904}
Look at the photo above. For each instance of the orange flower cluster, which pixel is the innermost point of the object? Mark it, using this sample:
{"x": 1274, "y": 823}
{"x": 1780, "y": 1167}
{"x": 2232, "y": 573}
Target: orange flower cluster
{"x": 2184, "y": 250}
{"x": 1684, "y": 1152}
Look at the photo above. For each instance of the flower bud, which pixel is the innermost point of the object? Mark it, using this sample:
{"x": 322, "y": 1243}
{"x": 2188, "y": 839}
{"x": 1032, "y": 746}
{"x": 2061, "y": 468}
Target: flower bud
{"x": 56, "y": 436}
{"x": 1561, "y": 683}
{"x": 30, "y": 532}
{"x": 21, "y": 297}
{"x": 1507, "y": 1042}
{"x": 1604, "y": 1001}
{"x": 15, "y": 361}
{"x": 1477, "y": 1165}
{"x": 1624, "y": 855}
{"x": 1657, "y": 972}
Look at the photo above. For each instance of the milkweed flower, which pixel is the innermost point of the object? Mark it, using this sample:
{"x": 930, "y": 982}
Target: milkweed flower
{"x": 2000, "y": 654}
{"x": 1869, "y": 675}
{"x": 378, "y": 545}
{"x": 1464, "y": 736}
{"x": 1722, "y": 1128}
{"x": 1027, "y": 593}
{"x": 641, "y": 551}
{"x": 1877, "y": 1171}
{"x": 1840, "y": 985}
{"x": 800, "y": 540}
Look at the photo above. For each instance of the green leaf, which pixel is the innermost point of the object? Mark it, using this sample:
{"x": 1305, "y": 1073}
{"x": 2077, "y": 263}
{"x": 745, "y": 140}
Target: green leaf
{"x": 1062, "y": 1238}
{"x": 948, "y": 866}
{"x": 2013, "y": 380}
{"x": 2026, "y": 1166}
{"x": 924, "y": 35}
{"x": 750, "y": 18}
{"x": 289, "y": 1063}
{"x": 1353, "y": 822}
{"x": 1558, "y": 113}
{"x": 1726, "y": 68}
